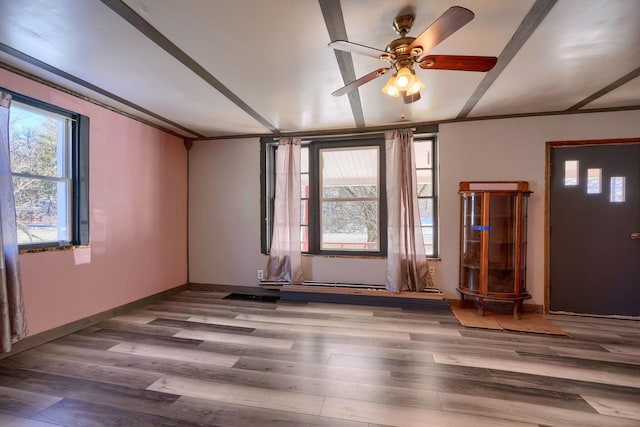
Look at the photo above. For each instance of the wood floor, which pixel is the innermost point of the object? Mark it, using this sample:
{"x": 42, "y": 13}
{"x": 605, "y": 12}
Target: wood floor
{"x": 198, "y": 359}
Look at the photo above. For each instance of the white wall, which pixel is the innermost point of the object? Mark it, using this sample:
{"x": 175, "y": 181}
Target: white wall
{"x": 224, "y": 212}
{"x": 512, "y": 149}
{"x": 224, "y": 197}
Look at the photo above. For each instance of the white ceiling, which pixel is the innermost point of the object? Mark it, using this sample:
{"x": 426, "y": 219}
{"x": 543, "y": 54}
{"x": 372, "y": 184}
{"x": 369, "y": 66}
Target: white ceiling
{"x": 211, "y": 68}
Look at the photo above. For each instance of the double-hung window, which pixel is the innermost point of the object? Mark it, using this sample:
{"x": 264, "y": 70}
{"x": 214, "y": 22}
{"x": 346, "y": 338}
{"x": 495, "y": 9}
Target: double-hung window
{"x": 424, "y": 149}
{"x": 49, "y": 164}
{"x": 343, "y": 207}
{"x": 343, "y": 195}
{"x": 350, "y": 198}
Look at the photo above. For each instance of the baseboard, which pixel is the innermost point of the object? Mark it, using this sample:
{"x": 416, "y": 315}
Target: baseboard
{"x": 69, "y": 328}
{"x": 499, "y": 305}
{"x": 247, "y": 290}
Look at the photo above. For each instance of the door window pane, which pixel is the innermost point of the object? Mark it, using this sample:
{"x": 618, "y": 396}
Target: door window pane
{"x": 594, "y": 181}
{"x": 571, "y": 173}
{"x": 617, "y": 189}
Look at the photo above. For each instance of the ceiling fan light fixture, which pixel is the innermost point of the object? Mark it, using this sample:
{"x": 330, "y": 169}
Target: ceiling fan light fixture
{"x": 404, "y": 79}
{"x": 390, "y": 88}
{"x": 415, "y": 87}
{"x": 405, "y": 52}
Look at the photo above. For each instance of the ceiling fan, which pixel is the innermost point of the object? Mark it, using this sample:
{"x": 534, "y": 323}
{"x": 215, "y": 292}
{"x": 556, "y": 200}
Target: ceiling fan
{"x": 404, "y": 52}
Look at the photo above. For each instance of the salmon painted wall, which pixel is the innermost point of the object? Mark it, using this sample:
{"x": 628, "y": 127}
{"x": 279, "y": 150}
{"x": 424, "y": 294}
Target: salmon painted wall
{"x": 138, "y": 219}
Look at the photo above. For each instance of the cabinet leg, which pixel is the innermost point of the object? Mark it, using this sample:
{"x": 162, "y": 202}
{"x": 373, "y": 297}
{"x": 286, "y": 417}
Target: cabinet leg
{"x": 517, "y": 309}
{"x": 462, "y": 301}
{"x": 480, "y": 307}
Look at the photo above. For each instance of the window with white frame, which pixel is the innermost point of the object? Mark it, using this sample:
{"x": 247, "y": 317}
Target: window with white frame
{"x": 49, "y": 163}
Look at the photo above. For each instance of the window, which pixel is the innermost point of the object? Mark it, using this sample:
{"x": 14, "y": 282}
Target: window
{"x": 343, "y": 195}
{"x": 349, "y": 198}
{"x": 427, "y": 201}
{"x": 49, "y": 163}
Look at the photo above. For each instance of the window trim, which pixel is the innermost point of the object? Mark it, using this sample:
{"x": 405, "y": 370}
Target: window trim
{"x": 79, "y": 195}
{"x": 268, "y": 147}
{"x": 434, "y": 197}
{"x": 314, "y": 202}
{"x": 267, "y": 184}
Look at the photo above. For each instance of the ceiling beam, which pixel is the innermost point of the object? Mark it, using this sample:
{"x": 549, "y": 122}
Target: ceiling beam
{"x": 622, "y": 80}
{"x": 126, "y": 13}
{"x": 334, "y": 20}
{"x": 531, "y": 21}
{"x": 80, "y": 82}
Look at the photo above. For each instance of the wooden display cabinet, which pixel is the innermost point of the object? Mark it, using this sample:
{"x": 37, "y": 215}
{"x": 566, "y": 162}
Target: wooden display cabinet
{"x": 493, "y": 242}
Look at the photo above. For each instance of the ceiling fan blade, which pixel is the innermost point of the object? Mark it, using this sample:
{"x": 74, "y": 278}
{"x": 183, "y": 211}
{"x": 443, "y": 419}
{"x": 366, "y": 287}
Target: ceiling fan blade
{"x": 448, "y": 23}
{"x": 408, "y": 99}
{"x": 358, "y": 48}
{"x": 458, "y": 62}
{"x": 359, "y": 82}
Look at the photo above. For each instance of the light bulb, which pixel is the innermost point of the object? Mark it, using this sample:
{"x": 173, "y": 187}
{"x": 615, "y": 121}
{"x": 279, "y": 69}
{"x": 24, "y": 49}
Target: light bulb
{"x": 415, "y": 87}
{"x": 405, "y": 78}
{"x": 390, "y": 88}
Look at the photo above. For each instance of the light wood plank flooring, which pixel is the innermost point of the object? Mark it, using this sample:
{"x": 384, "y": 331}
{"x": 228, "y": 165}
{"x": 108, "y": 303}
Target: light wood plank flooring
{"x": 198, "y": 359}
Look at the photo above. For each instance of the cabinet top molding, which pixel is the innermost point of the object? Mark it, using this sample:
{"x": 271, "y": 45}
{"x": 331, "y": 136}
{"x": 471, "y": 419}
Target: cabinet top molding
{"x": 494, "y": 186}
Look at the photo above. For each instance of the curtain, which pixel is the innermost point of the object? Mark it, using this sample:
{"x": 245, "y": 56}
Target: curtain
{"x": 407, "y": 266}
{"x": 13, "y": 323}
{"x": 285, "y": 260}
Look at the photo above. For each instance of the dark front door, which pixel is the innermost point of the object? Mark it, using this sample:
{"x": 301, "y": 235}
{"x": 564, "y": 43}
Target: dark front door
{"x": 594, "y": 248}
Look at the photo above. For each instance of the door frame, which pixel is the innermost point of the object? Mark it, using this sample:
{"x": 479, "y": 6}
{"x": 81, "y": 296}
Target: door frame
{"x": 547, "y": 204}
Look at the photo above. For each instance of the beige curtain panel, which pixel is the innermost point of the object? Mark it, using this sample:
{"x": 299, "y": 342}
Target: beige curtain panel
{"x": 407, "y": 266}
{"x": 285, "y": 257}
{"x": 13, "y": 322}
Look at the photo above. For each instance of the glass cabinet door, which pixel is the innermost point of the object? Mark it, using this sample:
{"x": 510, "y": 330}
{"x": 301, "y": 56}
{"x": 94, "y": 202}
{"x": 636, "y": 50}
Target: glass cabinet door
{"x": 470, "y": 243}
{"x": 502, "y": 247}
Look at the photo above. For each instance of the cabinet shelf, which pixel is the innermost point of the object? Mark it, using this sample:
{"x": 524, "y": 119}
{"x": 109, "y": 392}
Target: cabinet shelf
{"x": 493, "y": 242}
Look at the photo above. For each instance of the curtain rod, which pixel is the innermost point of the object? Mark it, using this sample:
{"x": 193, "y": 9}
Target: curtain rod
{"x": 428, "y": 132}
{"x": 431, "y": 128}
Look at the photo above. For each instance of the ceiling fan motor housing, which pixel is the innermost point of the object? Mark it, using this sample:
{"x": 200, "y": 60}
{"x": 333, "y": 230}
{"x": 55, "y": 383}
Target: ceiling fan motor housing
{"x": 402, "y": 24}
{"x": 402, "y": 55}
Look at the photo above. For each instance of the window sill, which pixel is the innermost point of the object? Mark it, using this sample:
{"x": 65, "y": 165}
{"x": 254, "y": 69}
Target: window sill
{"x": 346, "y": 256}
{"x": 51, "y": 249}
{"x": 359, "y": 257}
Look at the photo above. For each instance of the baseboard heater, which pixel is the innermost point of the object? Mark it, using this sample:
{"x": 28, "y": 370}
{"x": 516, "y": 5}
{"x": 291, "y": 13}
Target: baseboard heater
{"x": 361, "y": 294}
{"x": 341, "y": 284}
{"x": 360, "y": 286}
{"x": 322, "y": 283}
{"x": 328, "y": 284}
